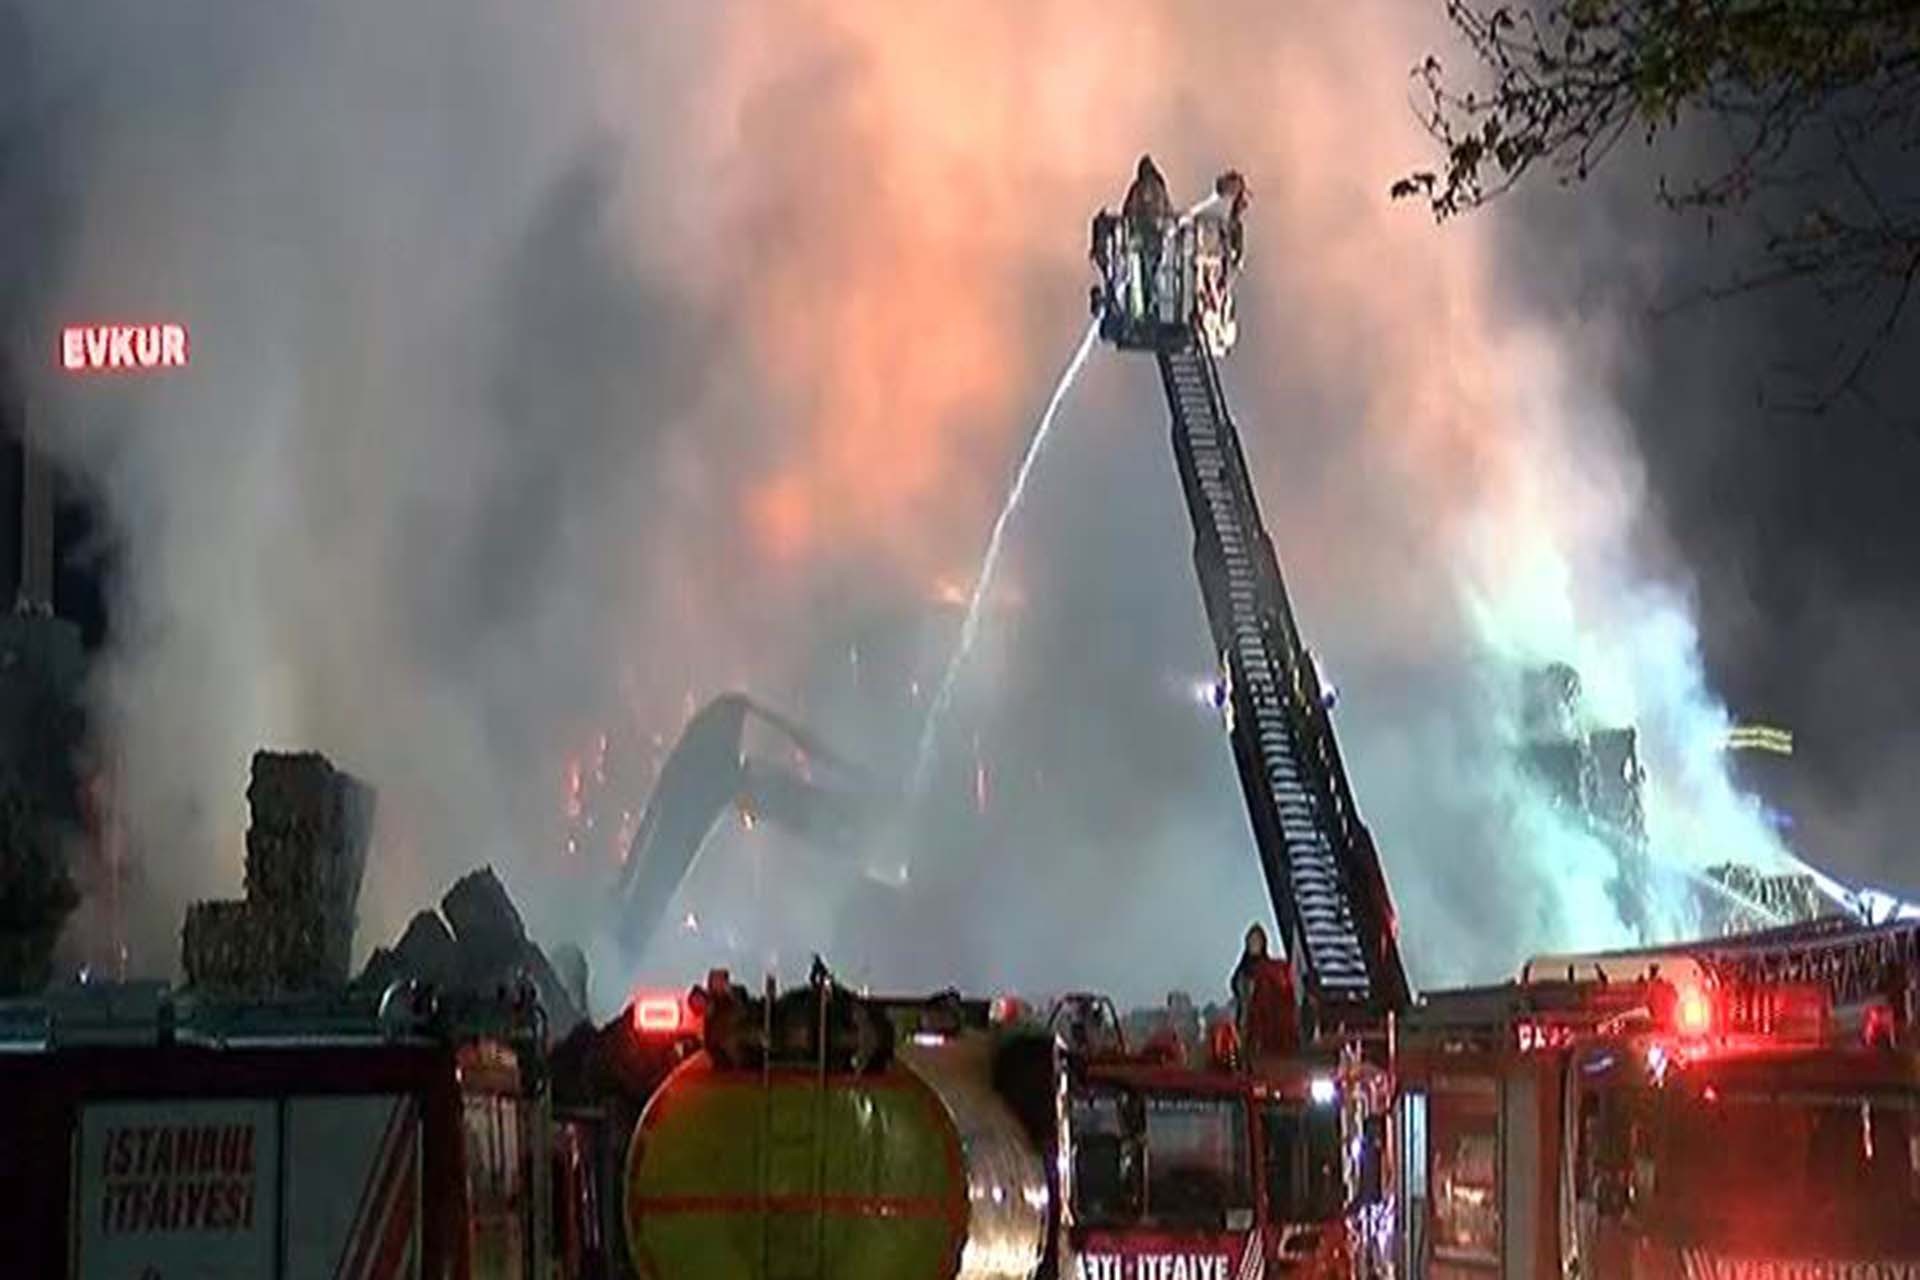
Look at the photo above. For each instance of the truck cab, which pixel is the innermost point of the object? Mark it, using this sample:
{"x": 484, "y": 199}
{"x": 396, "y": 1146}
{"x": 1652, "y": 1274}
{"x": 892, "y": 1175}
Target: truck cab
{"x": 1203, "y": 1170}
{"x": 1794, "y": 1158}
{"x": 1655, "y": 1118}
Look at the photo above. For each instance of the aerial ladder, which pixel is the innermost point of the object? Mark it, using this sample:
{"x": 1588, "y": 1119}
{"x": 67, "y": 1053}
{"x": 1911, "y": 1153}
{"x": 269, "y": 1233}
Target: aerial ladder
{"x": 1868, "y": 975}
{"x": 1166, "y": 288}
{"x": 1856, "y": 965}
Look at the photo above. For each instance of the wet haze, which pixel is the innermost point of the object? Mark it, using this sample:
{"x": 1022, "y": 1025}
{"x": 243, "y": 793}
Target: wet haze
{"x": 554, "y": 372}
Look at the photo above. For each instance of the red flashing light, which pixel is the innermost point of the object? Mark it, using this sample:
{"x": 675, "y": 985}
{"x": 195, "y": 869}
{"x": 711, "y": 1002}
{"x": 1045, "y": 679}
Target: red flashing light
{"x": 1876, "y": 1028}
{"x": 1692, "y": 1012}
{"x": 657, "y": 1015}
{"x": 1223, "y": 1043}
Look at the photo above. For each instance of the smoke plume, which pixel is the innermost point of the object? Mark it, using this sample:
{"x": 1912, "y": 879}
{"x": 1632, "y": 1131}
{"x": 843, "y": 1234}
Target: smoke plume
{"x": 555, "y": 371}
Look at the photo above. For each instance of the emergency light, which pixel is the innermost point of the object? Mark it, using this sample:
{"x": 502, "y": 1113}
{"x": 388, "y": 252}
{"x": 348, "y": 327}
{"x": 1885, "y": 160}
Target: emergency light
{"x": 657, "y": 1014}
{"x": 1007, "y": 1010}
{"x": 1692, "y": 1011}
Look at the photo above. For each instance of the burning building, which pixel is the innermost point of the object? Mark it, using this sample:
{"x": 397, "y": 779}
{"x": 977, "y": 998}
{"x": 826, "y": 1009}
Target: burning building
{"x": 1592, "y": 776}
{"x": 1756, "y": 900}
{"x": 1759, "y": 755}
{"x": 744, "y": 835}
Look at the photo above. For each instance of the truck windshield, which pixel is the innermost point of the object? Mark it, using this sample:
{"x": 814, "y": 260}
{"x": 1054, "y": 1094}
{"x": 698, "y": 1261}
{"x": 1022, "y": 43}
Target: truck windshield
{"x": 1827, "y": 1175}
{"x": 1106, "y": 1166}
{"x": 1197, "y": 1166}
{"x": 1160, "y": 1160}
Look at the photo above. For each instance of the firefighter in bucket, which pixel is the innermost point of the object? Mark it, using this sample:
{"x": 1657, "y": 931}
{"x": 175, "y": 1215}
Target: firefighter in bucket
{"x": 1129, "y": 251}
{"x": 1166, "y": 277}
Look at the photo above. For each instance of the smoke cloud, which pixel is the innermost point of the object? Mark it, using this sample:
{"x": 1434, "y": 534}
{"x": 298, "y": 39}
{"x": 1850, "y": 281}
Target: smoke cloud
{"x": 554, "y": 372}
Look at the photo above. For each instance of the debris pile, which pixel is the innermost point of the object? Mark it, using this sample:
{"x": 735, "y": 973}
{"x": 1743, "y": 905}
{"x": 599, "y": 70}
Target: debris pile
{"x": 306, "y": 854}
{"x": 477, "y": 943}
{"x": 293, "y": 932}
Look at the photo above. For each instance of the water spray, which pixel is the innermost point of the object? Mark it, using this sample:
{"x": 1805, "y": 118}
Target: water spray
{"x": 989, "y": 563}
{"x": 1211, "y": 201}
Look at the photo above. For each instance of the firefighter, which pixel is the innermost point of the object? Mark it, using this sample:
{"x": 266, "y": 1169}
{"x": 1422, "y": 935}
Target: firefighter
{"x": 1105, "y": 223}
{"x": 1106, "y": 237}
{"x": 1147, "y": 211}
{"x": 1232, "y": 188}
{"x": 1663, "y": 999}
{"x": 1148, "y": 205}
{"x": 1263, "y": 1001}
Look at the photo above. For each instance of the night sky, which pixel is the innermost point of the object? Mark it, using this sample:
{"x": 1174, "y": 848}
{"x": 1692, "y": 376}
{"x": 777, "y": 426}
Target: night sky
{"x": 1790, "y": 509}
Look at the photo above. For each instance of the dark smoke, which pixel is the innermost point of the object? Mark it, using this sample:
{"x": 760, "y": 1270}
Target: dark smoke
{"x": 558, "y": 370}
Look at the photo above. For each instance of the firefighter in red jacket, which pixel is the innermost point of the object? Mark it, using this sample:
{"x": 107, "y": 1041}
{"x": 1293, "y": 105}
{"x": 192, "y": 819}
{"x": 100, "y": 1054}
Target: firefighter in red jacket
{"x": 1263, "y": 1001}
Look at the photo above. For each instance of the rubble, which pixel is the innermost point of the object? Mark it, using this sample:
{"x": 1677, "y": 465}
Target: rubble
{"x": 306, "y": 855}
{"x": 487, "y": 925}
{"x": 293, "y": 932}
{"x": 571, "y": 964}
{"x": 475, "y": 944}
{"x": 425, "y": 953}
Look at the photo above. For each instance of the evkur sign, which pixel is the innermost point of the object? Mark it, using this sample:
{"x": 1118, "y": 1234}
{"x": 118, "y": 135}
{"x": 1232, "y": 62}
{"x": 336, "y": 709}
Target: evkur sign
{"x": 123, "y": 348}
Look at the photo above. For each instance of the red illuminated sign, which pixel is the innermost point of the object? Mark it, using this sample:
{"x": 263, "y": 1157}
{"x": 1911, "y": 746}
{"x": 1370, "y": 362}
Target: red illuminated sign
{"x": 1539, "y": 1037}
{"x": 1697, "y": 1264}
{"x": 126, "y": 348}
{"x": 656, "y": 1014}
{"x": 1152, "y": 1266}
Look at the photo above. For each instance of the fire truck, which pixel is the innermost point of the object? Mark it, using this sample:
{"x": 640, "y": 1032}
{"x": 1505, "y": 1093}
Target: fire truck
{"x": 1734, "y": 1107}
{"x": 1129, "y": 1162}
{"x": 151, "y": 1135}
{"x": 930, "y": 1137}
{"x": 1293, "y": 1148}
{"x": 1743, "y": 1107}
{"x": 818, "y": 1133}
{"x": 1317, "y": 1121}
{"x": 1324, "y": 877}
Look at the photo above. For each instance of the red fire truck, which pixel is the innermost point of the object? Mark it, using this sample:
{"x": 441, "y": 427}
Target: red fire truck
{"x": 1273, "y": 1169}
{"x": 152, "y": 1137}
{"x": 1742, "y": 1107}
{"x": 1184, "y": 1172}
{"x": 944, "y": 1136}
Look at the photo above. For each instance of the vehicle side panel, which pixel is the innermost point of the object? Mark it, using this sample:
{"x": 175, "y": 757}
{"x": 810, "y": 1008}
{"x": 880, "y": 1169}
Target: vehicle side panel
{"x": 45, "y": 1098}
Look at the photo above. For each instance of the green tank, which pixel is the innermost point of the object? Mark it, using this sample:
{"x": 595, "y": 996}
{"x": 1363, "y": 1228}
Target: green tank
{"x": 915, "y": 1170}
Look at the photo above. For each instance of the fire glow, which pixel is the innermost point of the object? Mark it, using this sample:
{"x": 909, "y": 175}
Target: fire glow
{"x": 95, "y": 348}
